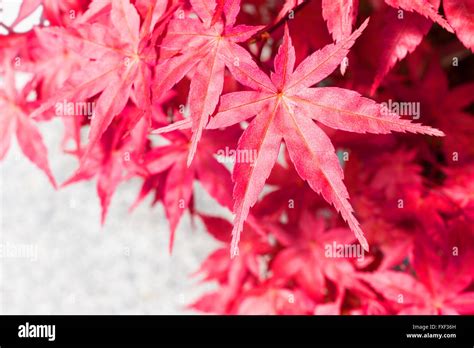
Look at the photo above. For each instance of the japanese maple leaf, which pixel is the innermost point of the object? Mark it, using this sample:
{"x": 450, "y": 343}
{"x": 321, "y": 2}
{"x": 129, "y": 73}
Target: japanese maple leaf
{"x": 460, "y": 14}
{"x": 14, "y": 118}
{"x": 437, "y": 99}
{"x": 443, "y": 260}
{"x": 389, "y": 243}
{"x": 286, "y": 106}
{"x": 231, "y": 274}
{"x": 179, "y": 178}
{"x": 208, "y": 44}
{"x": 459, "y": 186}
{"x": 340, "y": 15}
{"x": 400, "y": 35}
{"x": 426, "y": 8}
{"x": 376, "y": 192}
{"x": 118, "y": 66}
{"x": 304, "y": 259}
{"x": 268, "y": 299}
{"x": 369, "y": 306}
{"x": 52, "y": 62}
{"x": 443, "y": 266}
{"x": 254, "y": 245}
{"x": 57, "y": 12}
{"x": 290, "y": 191}
{"x": 396, "y": 173}
{"x": 116, "y": 157}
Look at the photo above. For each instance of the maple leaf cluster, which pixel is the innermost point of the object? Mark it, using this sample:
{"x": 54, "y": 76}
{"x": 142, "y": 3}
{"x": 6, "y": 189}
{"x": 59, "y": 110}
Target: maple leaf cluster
{"x": 293, "y": 115}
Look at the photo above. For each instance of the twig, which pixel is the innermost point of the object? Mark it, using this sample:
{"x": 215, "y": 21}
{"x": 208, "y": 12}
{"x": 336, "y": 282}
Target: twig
{"x": 7, "y": 28}
{"x": 264, "y": 33}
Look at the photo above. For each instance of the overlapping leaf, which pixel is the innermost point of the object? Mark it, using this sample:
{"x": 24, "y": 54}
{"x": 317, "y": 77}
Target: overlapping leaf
{"x": 286, "y": 106}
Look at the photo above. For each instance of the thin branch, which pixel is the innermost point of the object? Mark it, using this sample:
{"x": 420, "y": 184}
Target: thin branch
{"x": 265, "y": 32}
{"x": 7, "y": 28}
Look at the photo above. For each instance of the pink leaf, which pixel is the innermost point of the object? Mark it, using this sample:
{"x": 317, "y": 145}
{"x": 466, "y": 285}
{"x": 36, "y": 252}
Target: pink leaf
{"x": 31, "y": 143}
{"x": 340, "y": 15}
{"x": 460, "y": 14}
{"x": 323, "y": 62}
{"x": 178, "y": 191}
{"x": 285, "y": 111}
{"x": 401, "y": 36}
{"x": 206, "y": 87}
{"x": 426, "y": 8}
{"x": 263, "y": 138}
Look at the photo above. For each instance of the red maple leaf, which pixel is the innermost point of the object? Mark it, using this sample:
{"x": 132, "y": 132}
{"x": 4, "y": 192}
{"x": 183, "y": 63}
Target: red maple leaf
{"x": 340, "y": 15}
{"x": 437, "y": 99}
{"x": 268, "y": 299}
{"x": 207, "y": 45}
{"x": 115, "y": 158}
{"x": 306, "y": 260}
{"x": 286, "y": 106}
{"x": 399, "y": 33}
{"x": 118, "y": 64}
{"x": 57, "y": 12}
{"x": 426, "y": 8}
{"x": 15, "y": 118}
{"x": 443, "y": 265}
{"x": 231, "y": 274}
{"x": 171, "y": 160}
{"x": 460, "y": 15}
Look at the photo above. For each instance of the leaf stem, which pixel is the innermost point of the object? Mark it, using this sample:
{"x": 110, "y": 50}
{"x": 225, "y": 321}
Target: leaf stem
{"x": 264, "y": 33}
